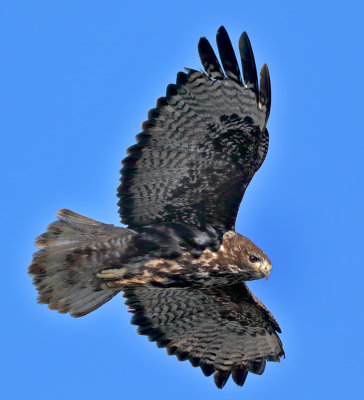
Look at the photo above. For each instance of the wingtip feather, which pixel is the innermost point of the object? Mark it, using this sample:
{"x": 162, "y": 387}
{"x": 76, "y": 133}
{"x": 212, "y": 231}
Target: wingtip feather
{"x": 209, "y": 60}
{"x": 265, "y": 89}
{"x": 239, "y": 375}
{"x": 227, "y": 55}
{"x": 248, "y": 63}
{"x": 221, "y": 377}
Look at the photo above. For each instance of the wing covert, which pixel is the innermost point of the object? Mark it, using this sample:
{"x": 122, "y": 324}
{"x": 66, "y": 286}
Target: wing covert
{"x": 201, "y": 145}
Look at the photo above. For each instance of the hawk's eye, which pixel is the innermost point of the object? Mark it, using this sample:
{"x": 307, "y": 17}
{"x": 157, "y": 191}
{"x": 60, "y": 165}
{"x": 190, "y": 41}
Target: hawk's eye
{"x": 253, "y": 259}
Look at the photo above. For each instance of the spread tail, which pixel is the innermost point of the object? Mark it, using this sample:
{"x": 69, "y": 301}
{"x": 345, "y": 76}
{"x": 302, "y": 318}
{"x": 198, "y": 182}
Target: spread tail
{"x": 72, "y": 251}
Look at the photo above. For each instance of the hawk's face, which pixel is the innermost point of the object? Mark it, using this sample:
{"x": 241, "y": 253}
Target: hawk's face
{"x": 249, "y": 258}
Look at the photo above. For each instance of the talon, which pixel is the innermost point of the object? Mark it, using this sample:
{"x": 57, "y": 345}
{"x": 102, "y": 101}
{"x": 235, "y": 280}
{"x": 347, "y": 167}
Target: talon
{"x": 114, "y": 273}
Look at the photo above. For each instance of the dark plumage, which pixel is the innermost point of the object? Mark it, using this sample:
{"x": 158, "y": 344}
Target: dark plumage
{"x": 209, "y": 59}
{"x": 219, "y": 329}
{"x": 205, "y": 139}
{"x": 248, "y": 63}
{"x": 179, "y": 262}
{"x": 227, "y": 55}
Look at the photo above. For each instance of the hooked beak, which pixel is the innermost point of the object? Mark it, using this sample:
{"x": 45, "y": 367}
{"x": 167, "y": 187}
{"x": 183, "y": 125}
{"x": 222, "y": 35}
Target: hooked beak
{"x": 266, "y": 270}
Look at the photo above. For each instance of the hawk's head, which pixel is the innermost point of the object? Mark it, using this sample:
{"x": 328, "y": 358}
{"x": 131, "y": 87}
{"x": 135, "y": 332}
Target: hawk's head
{"x": 249, "y": 258}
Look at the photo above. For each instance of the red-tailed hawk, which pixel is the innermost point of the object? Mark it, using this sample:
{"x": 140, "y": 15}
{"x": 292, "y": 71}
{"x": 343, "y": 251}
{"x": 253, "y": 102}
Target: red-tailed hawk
{"x": 179, "y": 262}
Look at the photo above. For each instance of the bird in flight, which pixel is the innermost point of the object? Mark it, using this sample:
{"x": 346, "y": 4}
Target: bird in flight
{"x": 179, "y": 263}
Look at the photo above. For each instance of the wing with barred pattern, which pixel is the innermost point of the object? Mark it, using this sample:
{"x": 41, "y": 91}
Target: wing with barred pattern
{"x": 223, "y": 330}
{"x": 201, "y": 145}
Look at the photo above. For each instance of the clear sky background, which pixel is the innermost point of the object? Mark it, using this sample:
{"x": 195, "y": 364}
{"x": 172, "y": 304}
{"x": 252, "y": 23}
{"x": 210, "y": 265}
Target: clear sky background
{"x": 77, "y": 80}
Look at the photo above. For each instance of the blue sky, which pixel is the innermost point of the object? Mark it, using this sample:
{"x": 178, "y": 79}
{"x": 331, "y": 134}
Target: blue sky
{"x": 77, "y": 81}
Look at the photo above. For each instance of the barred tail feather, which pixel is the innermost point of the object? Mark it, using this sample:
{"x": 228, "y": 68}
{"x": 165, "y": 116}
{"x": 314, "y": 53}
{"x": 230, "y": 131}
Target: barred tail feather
{"x": 72, "y": 251}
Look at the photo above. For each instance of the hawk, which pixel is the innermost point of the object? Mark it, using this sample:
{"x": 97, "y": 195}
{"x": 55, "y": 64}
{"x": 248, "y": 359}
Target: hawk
{"x": 179, "y": 263}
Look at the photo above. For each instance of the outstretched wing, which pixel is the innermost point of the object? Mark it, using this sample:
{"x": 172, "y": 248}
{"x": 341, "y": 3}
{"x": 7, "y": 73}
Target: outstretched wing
{"x": 223, "y": 330}
{"x": 201, "y": 145}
